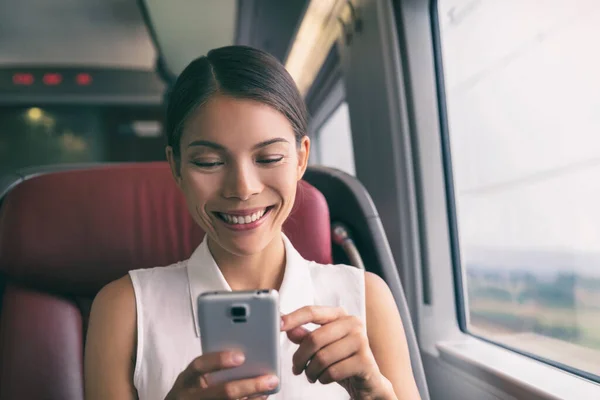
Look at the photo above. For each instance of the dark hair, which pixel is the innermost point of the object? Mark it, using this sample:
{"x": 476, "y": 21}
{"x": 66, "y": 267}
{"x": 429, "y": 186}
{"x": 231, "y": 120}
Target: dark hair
{"x": 240, "y": 72}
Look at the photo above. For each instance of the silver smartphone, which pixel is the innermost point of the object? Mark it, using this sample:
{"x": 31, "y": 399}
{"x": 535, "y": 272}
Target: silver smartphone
{"x": 248, "y": 321}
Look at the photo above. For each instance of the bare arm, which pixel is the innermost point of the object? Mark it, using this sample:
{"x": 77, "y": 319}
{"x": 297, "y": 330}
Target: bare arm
{"x": 387, "y": 339}
{"x": 111, "y": 343}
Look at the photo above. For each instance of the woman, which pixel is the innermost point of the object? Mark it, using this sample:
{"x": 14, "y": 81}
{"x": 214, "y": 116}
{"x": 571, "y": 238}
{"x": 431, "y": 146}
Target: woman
{"x": 237, "y": 147}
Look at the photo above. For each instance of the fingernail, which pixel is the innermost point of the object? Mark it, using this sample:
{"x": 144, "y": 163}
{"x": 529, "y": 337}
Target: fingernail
{"x": 309, "y": 379}
{"x": 238, "y": 358}
{"x": 271, "y": 382}
{"x": 281, "y": 324}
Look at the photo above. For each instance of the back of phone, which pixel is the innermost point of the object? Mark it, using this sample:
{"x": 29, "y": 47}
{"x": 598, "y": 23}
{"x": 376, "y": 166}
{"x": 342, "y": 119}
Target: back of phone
{"x": 248, "y": 321}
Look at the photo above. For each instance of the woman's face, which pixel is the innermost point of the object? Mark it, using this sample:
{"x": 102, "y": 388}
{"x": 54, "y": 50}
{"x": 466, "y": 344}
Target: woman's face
{"x": 239, "y": 171}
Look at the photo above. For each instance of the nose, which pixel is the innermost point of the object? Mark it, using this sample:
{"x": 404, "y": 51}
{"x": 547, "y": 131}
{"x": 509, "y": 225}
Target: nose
{"x": 241, "y": 182}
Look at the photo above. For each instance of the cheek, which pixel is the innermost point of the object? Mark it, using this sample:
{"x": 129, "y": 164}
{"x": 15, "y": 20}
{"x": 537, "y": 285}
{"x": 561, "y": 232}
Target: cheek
{"x": 200, "y": 188}
{"x": 284, "y": 182}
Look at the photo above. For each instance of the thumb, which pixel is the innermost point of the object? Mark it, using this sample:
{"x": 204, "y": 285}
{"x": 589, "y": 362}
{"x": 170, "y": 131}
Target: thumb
{"x": 298, "y": 334}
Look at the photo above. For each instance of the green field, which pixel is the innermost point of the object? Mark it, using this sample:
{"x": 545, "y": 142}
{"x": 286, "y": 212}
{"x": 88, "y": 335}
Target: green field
{"x": 576, "y": 326}
{"x": 558, "y": 319}
{"x": 566, "y": 307}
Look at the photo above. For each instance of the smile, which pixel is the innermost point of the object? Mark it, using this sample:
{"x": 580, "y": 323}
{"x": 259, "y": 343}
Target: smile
{"x": 244, "y": 217}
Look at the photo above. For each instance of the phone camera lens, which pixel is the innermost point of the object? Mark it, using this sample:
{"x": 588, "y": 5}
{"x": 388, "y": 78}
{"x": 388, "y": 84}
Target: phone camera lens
{"x": 238, "y": 312}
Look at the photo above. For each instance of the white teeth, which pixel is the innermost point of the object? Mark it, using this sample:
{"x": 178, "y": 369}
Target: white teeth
{"x": 240, "y": 220}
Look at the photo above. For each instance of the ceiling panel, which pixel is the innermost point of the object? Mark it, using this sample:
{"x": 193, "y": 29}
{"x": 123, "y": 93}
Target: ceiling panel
{"x": 75, "y": 32}
{"x": 187, "y": 29}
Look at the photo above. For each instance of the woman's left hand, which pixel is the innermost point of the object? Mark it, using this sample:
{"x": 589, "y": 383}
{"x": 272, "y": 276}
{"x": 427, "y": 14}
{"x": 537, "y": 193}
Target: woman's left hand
{"x": 337, "y": 351}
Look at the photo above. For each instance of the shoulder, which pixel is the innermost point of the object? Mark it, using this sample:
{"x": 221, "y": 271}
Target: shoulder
{"x": 110, "y": 341}
{"x": 374, "y": 285}
{"x": 119, "y": 294}
{"x": 113, "y": 308}
{"x": 162, "y": 271}
{"x": 335, "y": 271}
{"x": 380, "y": 303}
{"x": 341, "y": 278}
{"x": 154, "y": 278}
{"x": 115, "y": 305}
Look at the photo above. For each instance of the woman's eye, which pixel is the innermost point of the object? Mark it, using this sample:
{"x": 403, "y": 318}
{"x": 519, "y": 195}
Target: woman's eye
{"x": 270, "y": 160}
{"x": 207, "y": 164}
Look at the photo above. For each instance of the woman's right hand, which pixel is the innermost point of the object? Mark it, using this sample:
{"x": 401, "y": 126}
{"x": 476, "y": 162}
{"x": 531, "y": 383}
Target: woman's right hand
{"x": 192, "y": 383}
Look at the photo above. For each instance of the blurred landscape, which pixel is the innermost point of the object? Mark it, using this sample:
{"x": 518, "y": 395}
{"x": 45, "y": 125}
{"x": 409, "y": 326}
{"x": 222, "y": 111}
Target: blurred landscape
{"x": 546, "y": 303}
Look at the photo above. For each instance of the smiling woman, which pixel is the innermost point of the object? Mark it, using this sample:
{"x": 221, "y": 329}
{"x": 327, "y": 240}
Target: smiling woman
{"x": 248, "y": 171}
{"x": 253, "y": 168}
{"x": 237, "y": 147}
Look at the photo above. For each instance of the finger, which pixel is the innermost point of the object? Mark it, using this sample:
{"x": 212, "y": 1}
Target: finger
{"x": 240, "y": 388}
{"x": 316, "y": 314}
{"x": 296, "y": 335}
{"x": 330, "y": 355}
{"x": 211, "y": 362}
{"x": 318, "y": 339}
{"x": 347, "y": 368}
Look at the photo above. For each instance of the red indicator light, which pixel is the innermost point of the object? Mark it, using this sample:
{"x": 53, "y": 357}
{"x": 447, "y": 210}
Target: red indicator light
{"x": 23, "y": 79}
{"x": 83, "y": 79}
{"x": 52, "y": 79}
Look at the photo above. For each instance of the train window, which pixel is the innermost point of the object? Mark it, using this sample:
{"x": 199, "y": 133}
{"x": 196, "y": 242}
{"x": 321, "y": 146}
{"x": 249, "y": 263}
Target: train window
{"x": 521, "y": 86}
{"x": 334, "y": 141}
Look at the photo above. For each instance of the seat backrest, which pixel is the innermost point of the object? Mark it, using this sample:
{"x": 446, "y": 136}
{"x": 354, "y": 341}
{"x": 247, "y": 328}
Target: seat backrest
{"x": 64, "y": 235}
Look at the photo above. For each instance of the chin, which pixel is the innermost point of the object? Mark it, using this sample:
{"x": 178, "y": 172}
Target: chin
{"x": 247, "y": 245}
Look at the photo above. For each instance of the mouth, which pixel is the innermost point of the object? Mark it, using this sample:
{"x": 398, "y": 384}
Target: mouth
{"x": 244, "y": 217}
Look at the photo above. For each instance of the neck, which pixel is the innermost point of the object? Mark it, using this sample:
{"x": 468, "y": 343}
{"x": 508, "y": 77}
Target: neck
{"x": 263, "y": 270}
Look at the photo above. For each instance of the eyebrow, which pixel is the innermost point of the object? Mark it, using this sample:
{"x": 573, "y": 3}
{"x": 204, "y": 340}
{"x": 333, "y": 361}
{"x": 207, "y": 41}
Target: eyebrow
{"x": 216, "y": 146}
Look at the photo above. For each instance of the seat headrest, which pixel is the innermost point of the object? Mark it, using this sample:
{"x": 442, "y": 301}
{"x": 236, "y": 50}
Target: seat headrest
{"x": 74, "y": 231}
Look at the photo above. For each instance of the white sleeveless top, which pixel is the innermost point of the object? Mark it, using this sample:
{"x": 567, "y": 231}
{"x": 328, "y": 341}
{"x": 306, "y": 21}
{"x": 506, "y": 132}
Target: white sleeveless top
{"x": 168, "y": 335}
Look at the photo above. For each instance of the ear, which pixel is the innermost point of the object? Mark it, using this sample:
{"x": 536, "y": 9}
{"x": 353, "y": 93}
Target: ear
{"x": 174, "y": 164}
{"x": 303, "y": 155}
